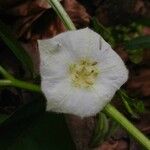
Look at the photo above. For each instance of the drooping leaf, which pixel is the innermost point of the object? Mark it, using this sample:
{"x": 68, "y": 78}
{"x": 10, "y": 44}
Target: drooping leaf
{"x": 138, "y": 43}
{"x": 15, "y": 47}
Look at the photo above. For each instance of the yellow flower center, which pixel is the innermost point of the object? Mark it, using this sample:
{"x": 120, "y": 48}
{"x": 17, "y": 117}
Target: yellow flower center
{"x": 84, "y": 73}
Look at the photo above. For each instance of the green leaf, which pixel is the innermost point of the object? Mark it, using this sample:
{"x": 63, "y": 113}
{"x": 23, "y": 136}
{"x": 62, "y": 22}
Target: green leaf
{"x": 98, "y": 27}
{"x": 112, "y": 128}
{"x": 42, "y": 132}
{"x": 139, "y": 107}
{"x": 133, "y": 106}
{"x": 143, "y": 21}
{"x": 136, "y": 56}
{"x": 138, "y": 43}
{"x": 15, "y": 47}
{"x": 103, "y": 31}
{"x": 3, "y": 117}
{"x": 101, "y": 130}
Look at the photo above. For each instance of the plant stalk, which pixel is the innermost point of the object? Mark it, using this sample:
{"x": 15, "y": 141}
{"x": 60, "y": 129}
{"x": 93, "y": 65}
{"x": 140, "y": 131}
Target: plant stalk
{"x": 108, "y": 109}
{"x": 5, "y": 74}
{"x": 20, "y": 84}
{"x": 26, "y": 85}
{"x": 12, "y": 81}
{"x": 62, "y": 14}
{"x": 112, "y": 112}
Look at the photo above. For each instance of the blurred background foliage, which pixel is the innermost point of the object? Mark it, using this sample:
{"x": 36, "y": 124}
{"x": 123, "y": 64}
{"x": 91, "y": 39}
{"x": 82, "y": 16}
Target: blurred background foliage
{"x": 24, "y": 124}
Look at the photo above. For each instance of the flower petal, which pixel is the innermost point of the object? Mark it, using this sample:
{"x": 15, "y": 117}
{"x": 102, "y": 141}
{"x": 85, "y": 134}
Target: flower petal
{"x": 82, "y": 43}
{"x": 58, "y": 53}
{"x": 113, "y": 71}
{"x": 63, "y": 98}
{"x": 54, "y": 59}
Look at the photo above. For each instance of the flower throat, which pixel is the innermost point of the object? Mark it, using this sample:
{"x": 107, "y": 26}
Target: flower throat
{"x": 84, "y": 73}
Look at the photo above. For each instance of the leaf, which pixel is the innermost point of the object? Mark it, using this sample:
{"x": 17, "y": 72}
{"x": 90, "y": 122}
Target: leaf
{"x": 101, "y": 130}
{"x": 43, "y": 132}
{"x": 15, "y": 47}
{"x": 136, "y": 56}
{"x": 133, "y": 106}
{"x": 143, "y": 21}
{"x": 138, "y": 43}
{"x": 3, "y": 117}
{"x": 139, "y": 107}
{"x": 98, "y": 27}
{"x": 103, "y": 31}
{"x": 112, "y": 128}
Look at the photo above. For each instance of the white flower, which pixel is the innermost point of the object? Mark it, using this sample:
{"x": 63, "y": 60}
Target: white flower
{"x": 80, "y": 72}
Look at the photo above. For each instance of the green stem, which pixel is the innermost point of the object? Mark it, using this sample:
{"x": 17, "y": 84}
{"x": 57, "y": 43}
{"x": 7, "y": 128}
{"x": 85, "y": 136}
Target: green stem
{"x": 20, "y": 84}
{"x": 5, "y": 73}
{"x": 26, "y": 85}
{"x": 109, "y": 109}
{"x": 62, "y": 14}
{"x": 5, "y": 82}
{"x": 11, "y": 81}
{"x": 128, "y": 126}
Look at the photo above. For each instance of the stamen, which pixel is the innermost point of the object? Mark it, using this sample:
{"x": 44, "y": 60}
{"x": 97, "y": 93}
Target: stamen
{"x": 84, "y": 73}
